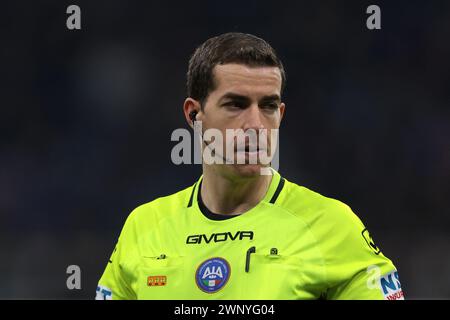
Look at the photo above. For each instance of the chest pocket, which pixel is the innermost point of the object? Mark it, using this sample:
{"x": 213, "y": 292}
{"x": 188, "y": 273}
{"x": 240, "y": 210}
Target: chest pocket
{"x": 273, "y": 277}
{"x": 161, "y": 278}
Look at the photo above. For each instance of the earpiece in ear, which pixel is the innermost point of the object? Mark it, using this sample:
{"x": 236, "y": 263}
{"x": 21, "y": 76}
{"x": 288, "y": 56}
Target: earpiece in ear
{"x": 192, "y": 116}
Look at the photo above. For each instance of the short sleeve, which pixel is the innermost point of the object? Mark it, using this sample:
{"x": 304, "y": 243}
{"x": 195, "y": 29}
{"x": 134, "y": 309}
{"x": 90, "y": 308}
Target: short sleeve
{"x": 114, "y": 283}
{"x": 356, "y": 268}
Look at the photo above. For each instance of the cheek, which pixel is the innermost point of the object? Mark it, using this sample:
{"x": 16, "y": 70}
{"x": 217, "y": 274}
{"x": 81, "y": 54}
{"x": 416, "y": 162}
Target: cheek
{"x": 219, "y": 124}
{"x": 222, "y": 121}
{"x": 272, "y": 121}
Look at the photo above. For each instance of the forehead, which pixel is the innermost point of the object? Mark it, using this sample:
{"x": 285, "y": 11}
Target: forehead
{"x": 247, "y": 80}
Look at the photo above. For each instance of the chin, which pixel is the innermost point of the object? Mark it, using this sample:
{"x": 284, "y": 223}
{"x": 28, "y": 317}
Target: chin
{"x": 247, "y": 170}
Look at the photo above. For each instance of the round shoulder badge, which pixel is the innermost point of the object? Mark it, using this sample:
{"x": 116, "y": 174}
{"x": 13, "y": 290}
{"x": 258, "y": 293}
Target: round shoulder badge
{"x": 212, "y": 274}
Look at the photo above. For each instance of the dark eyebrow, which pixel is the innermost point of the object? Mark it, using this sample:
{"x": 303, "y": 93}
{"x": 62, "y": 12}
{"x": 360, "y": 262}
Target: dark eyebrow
{"x": 273, "y": 97}
{"x": 233, "y": 96}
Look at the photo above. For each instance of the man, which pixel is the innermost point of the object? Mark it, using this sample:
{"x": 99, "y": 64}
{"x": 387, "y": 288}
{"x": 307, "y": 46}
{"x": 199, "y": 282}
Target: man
{"x": 237, "y": 233}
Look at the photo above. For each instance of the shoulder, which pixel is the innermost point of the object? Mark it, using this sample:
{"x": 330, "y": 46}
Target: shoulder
{"x": 339, "y": 232}
{"x": 316, "y": 209}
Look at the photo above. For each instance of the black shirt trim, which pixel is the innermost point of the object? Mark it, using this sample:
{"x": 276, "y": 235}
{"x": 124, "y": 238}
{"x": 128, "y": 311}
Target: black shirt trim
{"x": 192, "y": 196}
{"x": 217, "y": 216}
{"x": 278, "y": 191}
{"x": 206, "y": 212}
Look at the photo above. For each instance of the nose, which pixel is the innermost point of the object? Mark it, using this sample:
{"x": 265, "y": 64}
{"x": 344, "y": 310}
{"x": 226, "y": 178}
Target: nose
{"x": 252, "y": 118}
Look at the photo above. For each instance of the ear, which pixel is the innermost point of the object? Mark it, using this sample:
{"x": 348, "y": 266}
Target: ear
{"x": 189, "y": 106}
{"x": 282, "y": 109}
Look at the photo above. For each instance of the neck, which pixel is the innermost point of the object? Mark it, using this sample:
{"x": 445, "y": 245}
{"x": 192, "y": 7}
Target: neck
{"x": 229, "y": 194}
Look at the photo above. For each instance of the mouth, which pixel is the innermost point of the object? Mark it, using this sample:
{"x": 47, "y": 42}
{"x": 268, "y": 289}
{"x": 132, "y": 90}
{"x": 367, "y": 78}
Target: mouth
{"x": 251, "y": 150}
{"x": 252, "y": 155}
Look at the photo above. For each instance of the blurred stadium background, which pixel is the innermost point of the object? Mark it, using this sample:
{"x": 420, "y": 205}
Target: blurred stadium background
{"x": 86, "y": 118}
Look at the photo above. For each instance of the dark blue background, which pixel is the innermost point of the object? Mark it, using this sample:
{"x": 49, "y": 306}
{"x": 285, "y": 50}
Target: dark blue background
{"x": 86, "y": 118}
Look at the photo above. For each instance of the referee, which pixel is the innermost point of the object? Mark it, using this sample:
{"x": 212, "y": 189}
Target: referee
{"x": 237, "y": 233}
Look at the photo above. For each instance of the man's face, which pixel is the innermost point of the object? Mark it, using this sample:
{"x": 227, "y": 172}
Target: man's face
{"x": 244, "y": 98}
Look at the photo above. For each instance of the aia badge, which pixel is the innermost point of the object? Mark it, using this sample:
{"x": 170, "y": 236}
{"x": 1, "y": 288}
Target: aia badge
{"x": 366, "y": 235}
{"x": 212, "y": 274}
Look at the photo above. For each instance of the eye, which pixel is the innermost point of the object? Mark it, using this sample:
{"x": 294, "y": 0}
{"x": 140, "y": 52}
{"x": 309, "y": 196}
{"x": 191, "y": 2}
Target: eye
{"x": 233, "y": 105}
{"x": 270, "y": 106}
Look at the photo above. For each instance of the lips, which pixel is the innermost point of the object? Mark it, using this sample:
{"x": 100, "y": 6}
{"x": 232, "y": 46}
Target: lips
{"x": 250, "y": 149}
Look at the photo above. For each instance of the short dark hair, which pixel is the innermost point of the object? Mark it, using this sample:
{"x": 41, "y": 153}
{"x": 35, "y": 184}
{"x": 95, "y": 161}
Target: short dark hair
{"x": 232, "y": 47}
